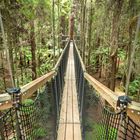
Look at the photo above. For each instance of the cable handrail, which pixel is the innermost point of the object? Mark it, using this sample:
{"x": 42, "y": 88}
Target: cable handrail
{"x": 60, "y": 58}
{"x": 81, "y": 61}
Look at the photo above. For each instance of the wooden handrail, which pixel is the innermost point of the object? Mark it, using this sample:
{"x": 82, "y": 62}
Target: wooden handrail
{"x": 26, "y": 91}
{"x": 5, "y": 101}
{"x": 104, "y": 92}
{"x": 108, "y": 94}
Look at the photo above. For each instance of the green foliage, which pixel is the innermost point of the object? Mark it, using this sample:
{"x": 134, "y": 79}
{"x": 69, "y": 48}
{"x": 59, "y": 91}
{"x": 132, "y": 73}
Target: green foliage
{"x": 134, "y": 86}
{"x": 96, "y": 130}
{"x": 66, "y": 6}
{"x": 89, "y": 125}
{"x": 28, "y": 102}
{"x": 39, "y": 132}
{"x": 100, "y": 53}
{"x": 41, "y": 110}
{"x": 122, "y": 63}
{"x": 122, "y": 54}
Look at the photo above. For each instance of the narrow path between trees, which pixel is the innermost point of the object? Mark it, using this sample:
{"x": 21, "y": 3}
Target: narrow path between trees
{"x": 69, "y": 124}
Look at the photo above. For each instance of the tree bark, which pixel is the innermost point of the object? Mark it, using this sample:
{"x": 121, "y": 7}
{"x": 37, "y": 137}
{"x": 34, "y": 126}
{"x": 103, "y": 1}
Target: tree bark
{"x": 82, "y": 28}
{"x": 132, "y": 56}
{"x": 114, "y": 43}
{"x": 53, "y": 28}
{"x": 33, "y": 50}
{"x": 8, "y": 77}
{"x": 89, "y": 33}
{"x": 71, "y": 28}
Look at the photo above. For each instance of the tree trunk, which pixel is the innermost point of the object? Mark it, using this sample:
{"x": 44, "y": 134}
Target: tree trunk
{"x": 89, "y": 33}
{"x": 132, "y": 56}
{"x": 8, "y": 77}
{"x": 53, "y": 27}
{"x": 63, "y": 29}
{"x": 71, "y": 28}
{"x": 33, "y": 50}
{"x": 114, "y": 43}
{"x": 83, "y": 30}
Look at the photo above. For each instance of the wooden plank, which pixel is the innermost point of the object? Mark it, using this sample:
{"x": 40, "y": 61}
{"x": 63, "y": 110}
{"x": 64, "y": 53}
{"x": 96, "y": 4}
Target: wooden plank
{"x": 63, "y": 114}
{"x": 4, "y": 97}
{"x": 5, "y": 101}
{"x": 76, "y": 117}
{"x": 6, "y": 105}
{"x": 70, "y": 105}
{"x": 77, "y": 132}
{"x": 69, "y": 132}
{"x": 61, "y": 132}
{"x": 63, "y": 111}
{"x": 133, "y": 109}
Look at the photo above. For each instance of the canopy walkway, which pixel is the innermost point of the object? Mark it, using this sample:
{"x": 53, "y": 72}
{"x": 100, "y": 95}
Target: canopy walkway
{"x": 115, "y": 118}
{"x": 69, "y": 121}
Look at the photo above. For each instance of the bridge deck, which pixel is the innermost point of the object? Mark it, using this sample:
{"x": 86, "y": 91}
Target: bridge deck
{"x": 69, "y": 123}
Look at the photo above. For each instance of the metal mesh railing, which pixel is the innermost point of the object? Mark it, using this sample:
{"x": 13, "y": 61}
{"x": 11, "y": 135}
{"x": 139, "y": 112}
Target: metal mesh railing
{"x": 80, "y": 81}
{"x": 129, "y": 130}
{"x": 103, "y": 122}
{"x": 27, "y": 120}
{"x": 106, "y": 124}
{"x": 34, "y": 118}
{"x": 7, "y": 125}
{"x": 58, "y": 84}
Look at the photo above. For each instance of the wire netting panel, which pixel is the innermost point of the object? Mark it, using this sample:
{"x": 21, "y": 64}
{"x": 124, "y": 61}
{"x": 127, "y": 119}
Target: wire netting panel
{"x": 104, "y": 123}
{"x": 108, "y": 126}
{"x": 29, "y": 120}
{"x": 129, "y": 130}
{"x": 34, "y": 118}
{"x": 101, "y": 123}
{"x": 8, "y": 125}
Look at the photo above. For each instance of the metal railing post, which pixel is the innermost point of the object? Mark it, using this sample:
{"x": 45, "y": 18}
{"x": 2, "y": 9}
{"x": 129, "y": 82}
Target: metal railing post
{"x": 15, "y": 93}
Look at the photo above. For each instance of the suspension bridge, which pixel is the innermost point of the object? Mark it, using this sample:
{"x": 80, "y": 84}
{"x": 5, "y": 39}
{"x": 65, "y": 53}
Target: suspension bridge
{"x": 116, "y": 117}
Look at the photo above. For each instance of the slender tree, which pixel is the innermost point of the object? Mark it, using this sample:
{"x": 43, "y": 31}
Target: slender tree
{"x": 114, "y": 42}
{"x": 33, "y": 50}
{"x": 53, "y": 28}
{"x": 132, "y": 56}
{"x": 6, "y": 60}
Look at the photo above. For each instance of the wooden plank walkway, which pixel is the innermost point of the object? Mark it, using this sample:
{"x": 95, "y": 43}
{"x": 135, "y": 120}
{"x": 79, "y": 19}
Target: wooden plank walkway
{"x": 69, "y": 124}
